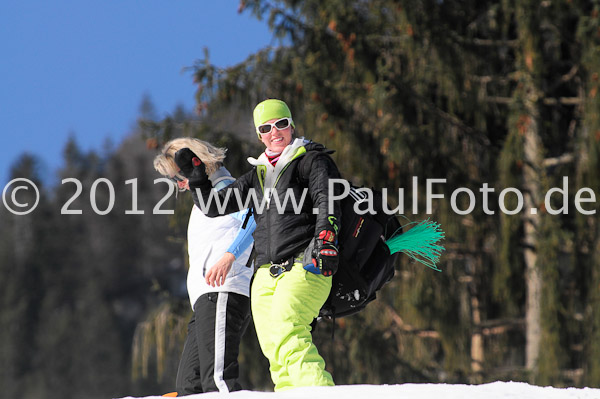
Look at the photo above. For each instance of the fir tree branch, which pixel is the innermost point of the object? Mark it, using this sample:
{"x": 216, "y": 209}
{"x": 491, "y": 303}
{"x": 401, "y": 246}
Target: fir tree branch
{"x": 483, "y": 42}
{"x": 545, "y": 101}
{"x": 562, "y": 100}
{"x": 405, "y": 328}
{"x": 560, "y": 160}
{"x": 565, "y": 78}
{"x": 500, "y": 326}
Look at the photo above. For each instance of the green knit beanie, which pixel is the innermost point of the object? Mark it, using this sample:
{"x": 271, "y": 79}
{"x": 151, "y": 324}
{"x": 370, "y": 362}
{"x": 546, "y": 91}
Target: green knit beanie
{"x": 271, "y": 109}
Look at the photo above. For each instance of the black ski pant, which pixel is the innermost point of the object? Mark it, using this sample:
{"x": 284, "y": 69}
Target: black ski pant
{"x": 209, "y": 361}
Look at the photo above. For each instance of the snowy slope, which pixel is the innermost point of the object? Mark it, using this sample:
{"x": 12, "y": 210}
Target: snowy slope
{"x": 496, "y": 390}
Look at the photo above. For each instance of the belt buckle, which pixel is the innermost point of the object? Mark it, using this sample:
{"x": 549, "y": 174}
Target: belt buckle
{"x": 277, "y": 269}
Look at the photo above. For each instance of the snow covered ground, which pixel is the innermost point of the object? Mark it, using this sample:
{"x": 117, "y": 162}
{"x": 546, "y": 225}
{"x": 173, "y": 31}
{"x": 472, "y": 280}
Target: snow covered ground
{"x": 495, "y": 390}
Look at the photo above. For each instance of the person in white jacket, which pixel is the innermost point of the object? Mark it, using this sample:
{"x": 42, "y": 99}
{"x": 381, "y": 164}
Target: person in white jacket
{"x": 218, "y": 280}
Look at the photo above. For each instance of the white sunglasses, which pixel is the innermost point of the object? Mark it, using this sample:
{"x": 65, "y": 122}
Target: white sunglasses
{"x": 267, "y": 128}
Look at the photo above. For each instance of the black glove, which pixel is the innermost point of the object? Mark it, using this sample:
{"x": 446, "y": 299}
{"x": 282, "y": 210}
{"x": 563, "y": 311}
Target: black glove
{"x": 191, "y": 167}
{"x": 325, "y": 253}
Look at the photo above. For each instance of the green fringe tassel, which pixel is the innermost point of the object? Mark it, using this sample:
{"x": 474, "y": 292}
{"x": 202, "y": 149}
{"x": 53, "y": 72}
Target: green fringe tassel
{"x": 421, "y": 243}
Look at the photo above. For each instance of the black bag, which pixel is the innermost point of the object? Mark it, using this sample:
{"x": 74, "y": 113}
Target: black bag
{"x": 365, "y": 260}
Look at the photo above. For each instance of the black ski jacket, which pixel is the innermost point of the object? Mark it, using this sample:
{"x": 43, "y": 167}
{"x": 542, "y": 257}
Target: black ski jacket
{"x": 284, "y": 226}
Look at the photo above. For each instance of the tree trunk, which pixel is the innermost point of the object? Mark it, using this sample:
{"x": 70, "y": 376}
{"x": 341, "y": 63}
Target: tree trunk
{"x": 532, "y": 176}
{"x": 476, "y": 338}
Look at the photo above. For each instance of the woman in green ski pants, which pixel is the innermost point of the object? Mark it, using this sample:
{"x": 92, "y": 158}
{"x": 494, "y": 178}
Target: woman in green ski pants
{"x": 296, "y": 246}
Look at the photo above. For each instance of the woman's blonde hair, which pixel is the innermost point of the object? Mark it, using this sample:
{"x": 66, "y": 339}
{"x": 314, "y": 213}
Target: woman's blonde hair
{"x": 211, "y": 156}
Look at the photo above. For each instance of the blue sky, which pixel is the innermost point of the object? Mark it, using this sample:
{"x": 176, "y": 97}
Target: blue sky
{"x": 81, "y": 68}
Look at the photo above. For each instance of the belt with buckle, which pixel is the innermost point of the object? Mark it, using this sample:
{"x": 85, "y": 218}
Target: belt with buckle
{"x": 277, "y": 269}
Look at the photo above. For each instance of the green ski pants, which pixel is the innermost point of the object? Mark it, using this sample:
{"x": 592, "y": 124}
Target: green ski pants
{"x": 283, "y": 308}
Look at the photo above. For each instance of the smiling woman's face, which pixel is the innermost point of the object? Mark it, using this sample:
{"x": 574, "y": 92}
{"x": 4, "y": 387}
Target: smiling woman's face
{"x": 277, "y": 139}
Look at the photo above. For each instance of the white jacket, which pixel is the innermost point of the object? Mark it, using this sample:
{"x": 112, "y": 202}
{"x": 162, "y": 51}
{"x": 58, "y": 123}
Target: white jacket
{"x": 208, "y": 240}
